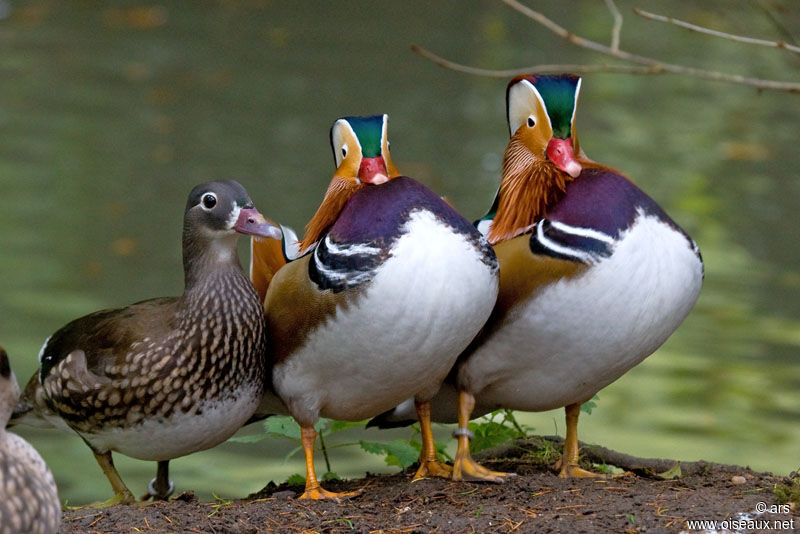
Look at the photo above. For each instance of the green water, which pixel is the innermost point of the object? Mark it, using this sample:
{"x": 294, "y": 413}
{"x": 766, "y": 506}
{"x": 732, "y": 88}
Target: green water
{"x": 110, "y": 113}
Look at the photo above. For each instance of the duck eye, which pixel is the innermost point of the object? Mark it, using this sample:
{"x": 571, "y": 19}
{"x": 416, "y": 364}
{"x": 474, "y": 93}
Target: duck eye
{"x": 344, "y": 151}
{"x": 209, "y": 201}
{"x": 531, "y": 121}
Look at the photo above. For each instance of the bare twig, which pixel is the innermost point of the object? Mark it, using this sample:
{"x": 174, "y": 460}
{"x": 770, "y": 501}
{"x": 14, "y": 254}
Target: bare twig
{"x": 581, "y": 69}
{"x": 658, "y": 66}
{"x": 597, "y": 454}
{"x": 689, "y": 26}
{"x": 647, "y": 65}
{"x": 617, "y": 29}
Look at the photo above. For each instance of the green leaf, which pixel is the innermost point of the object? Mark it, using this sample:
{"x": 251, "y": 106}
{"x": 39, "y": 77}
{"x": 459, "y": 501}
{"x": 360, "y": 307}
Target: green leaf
{"x": 282, "y": 426}
{"x": 249, "y": 438}
{"x": 344, "y": 425}
{"x": 590, "y": 405}
{"x": 489, "y": 434}
{"x": 398, "y": 452}
{"x": 296, "y": 480}
{"x": 330, "y": 475}
{"x": 322, "y": 425}
{"x": 669, "y": 474}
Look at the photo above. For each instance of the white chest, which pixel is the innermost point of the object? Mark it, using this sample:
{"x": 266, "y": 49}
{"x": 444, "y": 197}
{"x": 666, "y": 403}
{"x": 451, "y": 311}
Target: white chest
{"x": 578, "y": 335}
{"x": 401, "y": 337}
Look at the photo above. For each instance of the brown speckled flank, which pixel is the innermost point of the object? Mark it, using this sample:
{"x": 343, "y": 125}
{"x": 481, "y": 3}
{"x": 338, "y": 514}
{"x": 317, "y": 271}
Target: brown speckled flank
{"x": 28, "y": 495}
{"x": 212, "y": 354}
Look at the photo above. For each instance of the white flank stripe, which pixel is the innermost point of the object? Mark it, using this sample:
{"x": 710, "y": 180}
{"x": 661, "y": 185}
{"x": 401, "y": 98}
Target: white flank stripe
{"x": 564, "y": 251}
{"x": 347, "y": 277}
{"x": 350, "y": 250}
{"x": 583, "y": 232}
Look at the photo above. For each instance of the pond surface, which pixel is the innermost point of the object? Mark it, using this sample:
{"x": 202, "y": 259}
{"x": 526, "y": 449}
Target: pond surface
{"x": 110, "y": 114}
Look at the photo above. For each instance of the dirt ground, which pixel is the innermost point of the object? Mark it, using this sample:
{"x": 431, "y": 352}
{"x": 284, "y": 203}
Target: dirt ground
{"x": 738, "y": 499}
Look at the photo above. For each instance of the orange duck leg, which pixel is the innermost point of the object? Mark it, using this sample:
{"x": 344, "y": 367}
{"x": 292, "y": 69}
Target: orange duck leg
{"x": 464, "y": 467}
{"x": 568, "y": 464}
{"x": 429, "y": 464}
{"x": 313, "y": 489}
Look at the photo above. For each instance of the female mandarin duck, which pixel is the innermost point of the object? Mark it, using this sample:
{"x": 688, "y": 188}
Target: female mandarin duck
{"x": 28, "y": 494}
{"x": 169, "y": 376}
{"x": 594, "y": 277}
{"x": 394, "y": 285}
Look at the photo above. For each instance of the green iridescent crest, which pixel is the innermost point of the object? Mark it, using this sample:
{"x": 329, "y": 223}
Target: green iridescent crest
{"x": 369, "y": 131}
{"x": 559, "y": 94}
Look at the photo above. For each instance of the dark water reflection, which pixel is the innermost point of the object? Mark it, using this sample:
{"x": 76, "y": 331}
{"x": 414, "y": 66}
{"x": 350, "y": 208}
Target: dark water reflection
{"x": 111, "y": 113}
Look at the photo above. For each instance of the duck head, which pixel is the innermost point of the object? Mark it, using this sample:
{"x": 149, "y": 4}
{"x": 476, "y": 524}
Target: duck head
{"x": 361, "y": 154}
{"x": 216, "y": 214}
{"x": 542, "y": 155}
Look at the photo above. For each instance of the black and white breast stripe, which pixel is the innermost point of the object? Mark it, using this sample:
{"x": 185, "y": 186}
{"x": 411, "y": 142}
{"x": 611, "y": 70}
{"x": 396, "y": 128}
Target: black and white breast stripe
{"x": 338, "y": 266}
{"x": 574, "y": 243}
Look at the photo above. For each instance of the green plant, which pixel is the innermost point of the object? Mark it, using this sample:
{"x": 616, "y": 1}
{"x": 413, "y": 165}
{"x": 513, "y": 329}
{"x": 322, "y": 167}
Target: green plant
{"x": 490, "y": 430}
{"x": 220, "y": 502}
{"x": 496, "y": 428}
{"x": 606, "y": 469}
{"x": 788, "y": 492}
{"x": 546, "y": 453}
{"x": 397, "y": 452}
{"x": 284, "y": 426}
{"x": 296, "y": 480}
{"x": 590, "y": 405}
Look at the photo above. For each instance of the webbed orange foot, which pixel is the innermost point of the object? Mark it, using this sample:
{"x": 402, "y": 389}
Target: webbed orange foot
{"x": 318, "y": 493}
{"x": 575, "y": 471}
{"x": 464, "y": 467}
{"x": 468, "y": 469}
{"x": 433, "y": 468}
{"x": 118, "y": 498}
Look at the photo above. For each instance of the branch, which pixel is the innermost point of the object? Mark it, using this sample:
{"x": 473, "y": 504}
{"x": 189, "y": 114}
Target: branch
{"x": 617, "y": 29}
{"x": 581, "y": 69}
{"x": 659, "y": 66}
{"x": 647, "y": 65}
{"x": 749, "y": 40}
{"x": 647, "y": 467}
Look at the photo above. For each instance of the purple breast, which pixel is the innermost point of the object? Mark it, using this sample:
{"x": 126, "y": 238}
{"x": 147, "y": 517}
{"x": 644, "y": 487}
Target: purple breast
{"x": 605, "y": 201}
{"x": 377, "y": 213}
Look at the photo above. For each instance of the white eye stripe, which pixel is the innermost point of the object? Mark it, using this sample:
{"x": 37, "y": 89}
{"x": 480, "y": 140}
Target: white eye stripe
{"x": 234, "y": 216}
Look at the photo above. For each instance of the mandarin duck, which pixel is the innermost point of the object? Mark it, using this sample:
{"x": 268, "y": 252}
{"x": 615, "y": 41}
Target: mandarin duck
{"x": 391, "y": 288}
{"x": 594, "y": 277}
{"x": 28, "y": 493}
{"x": 165, "y": 377}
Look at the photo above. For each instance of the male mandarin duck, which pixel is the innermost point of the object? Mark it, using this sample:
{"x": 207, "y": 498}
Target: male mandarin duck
{"x": 169, "y": 376}
{"x": 28, "y": 493}
{"x": 392, "y": 288}
{"x": 594, "y": 277}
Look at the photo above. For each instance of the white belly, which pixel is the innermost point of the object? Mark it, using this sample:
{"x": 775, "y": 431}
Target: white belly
{"x": 578, "y": 335}
{"x": 401, "y": 337}
{"x": 179, "y": 434}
